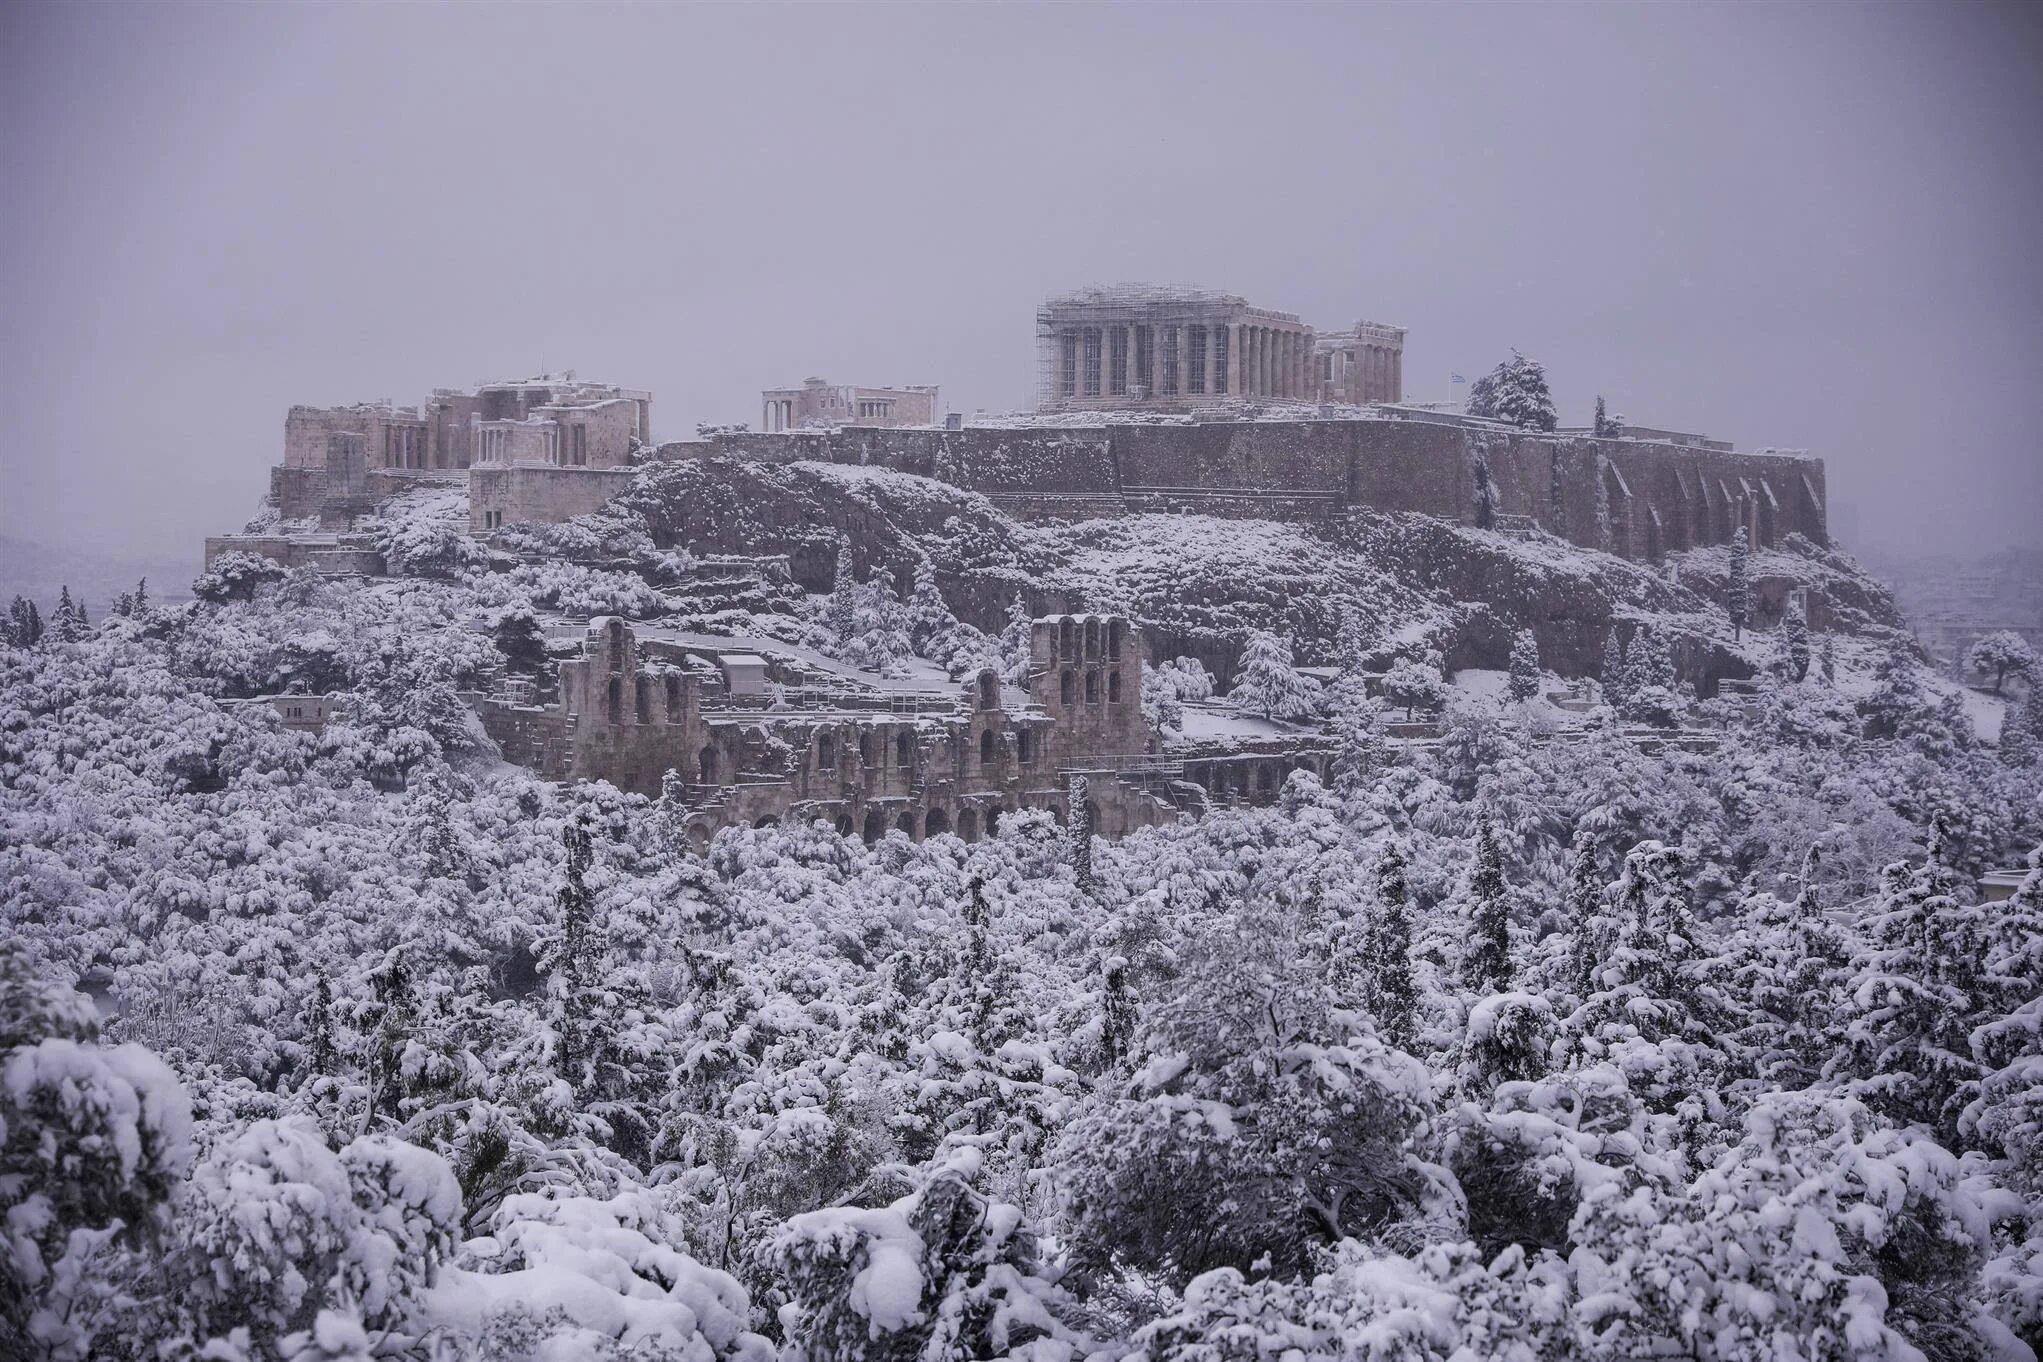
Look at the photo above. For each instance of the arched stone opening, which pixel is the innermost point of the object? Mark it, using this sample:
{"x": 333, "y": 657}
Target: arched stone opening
{"x": 936, "y": 823}
{"x": 906, "y": 822}
{"x": 968, "y": 825}
{"x": 875, "y": 827}
{"x": 989, "y": 748}
{"x": 844, "y": 825}
{"x": 706, "y": 766}
{"x": 766, "y": 820}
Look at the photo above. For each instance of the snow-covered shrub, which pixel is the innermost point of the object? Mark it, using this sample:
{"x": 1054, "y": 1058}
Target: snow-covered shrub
{"x": 93, "y": 1142}
{"x": 942, "y": 1275}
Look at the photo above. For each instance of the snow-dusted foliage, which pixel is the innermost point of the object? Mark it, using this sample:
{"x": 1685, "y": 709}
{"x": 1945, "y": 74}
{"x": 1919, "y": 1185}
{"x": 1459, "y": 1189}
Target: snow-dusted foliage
{"x": 1514, "y": 1041}
{"x": 1269, "y": 685}
{"x": 1514, "y": 391}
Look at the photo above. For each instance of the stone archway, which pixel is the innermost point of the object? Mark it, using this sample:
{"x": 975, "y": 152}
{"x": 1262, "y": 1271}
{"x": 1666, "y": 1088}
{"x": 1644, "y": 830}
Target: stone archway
{"x": 936, "y": 823}
{"x": 968, "y": 825}
{"x": 906, "y": 823}
{"x": 875, "y": 827}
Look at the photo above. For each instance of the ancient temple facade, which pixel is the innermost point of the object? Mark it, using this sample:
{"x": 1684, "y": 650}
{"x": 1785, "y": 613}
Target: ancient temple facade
{"x": 1144, "y": 346}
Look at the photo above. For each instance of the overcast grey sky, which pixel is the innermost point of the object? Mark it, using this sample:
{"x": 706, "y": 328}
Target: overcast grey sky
{"x": 1797, "y": 226}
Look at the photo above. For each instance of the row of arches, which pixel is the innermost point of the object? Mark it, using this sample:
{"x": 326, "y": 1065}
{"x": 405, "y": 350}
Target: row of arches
{"x": 1256, "y": 780}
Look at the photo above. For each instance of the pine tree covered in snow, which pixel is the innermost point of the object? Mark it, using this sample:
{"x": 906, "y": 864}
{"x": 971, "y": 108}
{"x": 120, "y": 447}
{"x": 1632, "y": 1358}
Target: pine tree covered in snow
{"x": 927, "y": 616}
{"x": 1515, "y": 391}
{"x": 24, "y": 623}
{"x": 1268, "y": 684}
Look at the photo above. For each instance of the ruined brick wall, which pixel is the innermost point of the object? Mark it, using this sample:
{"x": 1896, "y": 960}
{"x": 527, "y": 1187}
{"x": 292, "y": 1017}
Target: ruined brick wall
{"x": 307, "y": 430}
{"x": 538, "y": 493}
{"x": 298, "y": 492}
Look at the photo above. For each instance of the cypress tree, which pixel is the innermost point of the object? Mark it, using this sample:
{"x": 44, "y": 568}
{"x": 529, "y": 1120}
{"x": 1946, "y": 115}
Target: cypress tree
{"x": 1738, "y": 586}
{"x": 1081, "y": 835}
{"x": 320, "y": 1051}
{"x": 1585, "y": 911}
{"x": 1117, "y": 1014}
{"x": 1795, "y": 646}
{"x": 572, "y": 967}
{"x": 1615, "y": 674}
{"x": 1488, "y": 964}
{"x": 1524, "y": 684}
{"x": 1393, "y": 993}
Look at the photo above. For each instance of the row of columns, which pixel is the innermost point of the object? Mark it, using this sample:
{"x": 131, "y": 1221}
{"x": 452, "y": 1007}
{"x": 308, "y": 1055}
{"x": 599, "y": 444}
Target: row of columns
{"x": 1233, "y": 361}
{"x": 1382, "y": 374}
{"x": 778, "y": 415}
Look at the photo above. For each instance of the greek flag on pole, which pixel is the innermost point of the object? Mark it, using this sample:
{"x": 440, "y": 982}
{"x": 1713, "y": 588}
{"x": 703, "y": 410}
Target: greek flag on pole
{"x": 1459, "y": 379}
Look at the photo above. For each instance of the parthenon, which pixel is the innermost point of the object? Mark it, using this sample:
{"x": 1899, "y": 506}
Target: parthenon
{"x": 1142, "y": 346}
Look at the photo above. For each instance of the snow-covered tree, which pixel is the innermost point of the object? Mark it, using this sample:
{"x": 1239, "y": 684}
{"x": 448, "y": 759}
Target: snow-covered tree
{"x": 1081, "y": 833}
{"x": 1359, "y": 750}
{"x": 1615, "y": 670}
{"x": 1795, "y": 655}
{"x": 1515, "y": 391}
{"x": 1524, "y": 683}
{"x": 94, "y": 1141}
{"x": 1486, "y": 966}
{"x": 1391, "y": 990}
{"x": 843, "y": 604}
{"x": 2018, "y": 745}
{"x": 1268, "y": 684}
{"x": 1485, "y": 495}
{"x": 1187, "y": 676}
{"x": 24, "y": 623}
{"x": 1998, "y": 654}
{"x": 1738, "y": 584}
{"x": 1413, "y": 685}
{"x": 1014, "y": 643}
{"x": 1161, "y": 709}
{"x": 67, "y": 621}
{"x": 927, "y": 615}
{"x": 940, "y": 1275}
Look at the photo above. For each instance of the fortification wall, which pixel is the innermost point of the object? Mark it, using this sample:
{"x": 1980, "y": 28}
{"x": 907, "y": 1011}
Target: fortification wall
{"x": 1636, "y": 498}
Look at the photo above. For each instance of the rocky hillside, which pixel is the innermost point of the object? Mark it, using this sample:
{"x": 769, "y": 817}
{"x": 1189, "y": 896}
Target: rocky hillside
{"x": 1198, "y": 584}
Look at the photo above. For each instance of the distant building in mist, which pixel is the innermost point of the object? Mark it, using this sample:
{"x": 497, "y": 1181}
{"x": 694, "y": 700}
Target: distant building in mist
{"x": 818, "y": 404}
